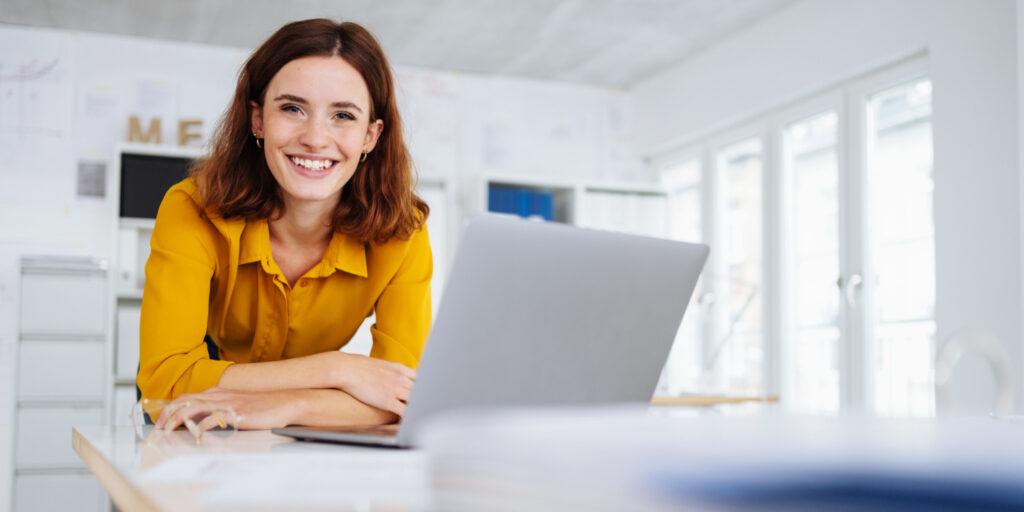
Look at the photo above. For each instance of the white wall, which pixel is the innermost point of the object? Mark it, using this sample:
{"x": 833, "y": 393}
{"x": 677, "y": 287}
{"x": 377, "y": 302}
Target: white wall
{"x": 1020, "y": 128}
{"x": 66, "y": 97}
{"x": 972, "y": 52}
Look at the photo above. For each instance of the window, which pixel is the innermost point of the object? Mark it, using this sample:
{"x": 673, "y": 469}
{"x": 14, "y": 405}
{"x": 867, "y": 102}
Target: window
{"x": 811, "y": 191}
{"x": 899, "y": 166}
{"x": 685, "y": 369}
{"x": 821, "y": 282}
{"x": 737, "y": 344}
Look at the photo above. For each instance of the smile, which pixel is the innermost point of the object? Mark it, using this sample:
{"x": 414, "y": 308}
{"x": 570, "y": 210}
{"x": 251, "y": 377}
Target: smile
{"x": 313, "y": 165}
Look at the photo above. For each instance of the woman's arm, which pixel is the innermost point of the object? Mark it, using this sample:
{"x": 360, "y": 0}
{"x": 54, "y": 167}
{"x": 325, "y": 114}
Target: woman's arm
{"x": 175, "y": 305}
{"x": 381, "y": 384}
{"x": 403, "y": 310}
{"x": 259, "y": 410}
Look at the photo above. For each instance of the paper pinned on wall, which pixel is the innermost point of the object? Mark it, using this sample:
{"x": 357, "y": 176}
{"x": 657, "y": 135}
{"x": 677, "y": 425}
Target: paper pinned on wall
{"x": 535, "y": 128}
{"x": 156, "y": 100}
{"x": 99, "y": 120}
{"x": 92, "y": 179}
{"x": 35, "y": 103}
{"x": 429, "y": 105}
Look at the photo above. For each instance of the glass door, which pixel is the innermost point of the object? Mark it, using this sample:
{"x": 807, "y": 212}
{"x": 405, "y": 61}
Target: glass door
{"x": 811, "y": 327}
{"x": 901, "y": 247}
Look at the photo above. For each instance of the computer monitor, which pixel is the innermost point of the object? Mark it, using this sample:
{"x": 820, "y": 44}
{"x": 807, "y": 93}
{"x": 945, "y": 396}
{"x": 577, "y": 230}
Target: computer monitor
{"x": 145, "y": 179}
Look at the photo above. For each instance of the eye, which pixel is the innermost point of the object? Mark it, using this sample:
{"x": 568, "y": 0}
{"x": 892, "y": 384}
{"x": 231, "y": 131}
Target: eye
{"x": 291, "y": 108}
{"x": 344, "y": 115}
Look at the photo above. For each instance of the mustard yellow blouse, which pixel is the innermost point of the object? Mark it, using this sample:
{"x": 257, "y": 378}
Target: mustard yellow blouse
{"x": 210, "y": 276}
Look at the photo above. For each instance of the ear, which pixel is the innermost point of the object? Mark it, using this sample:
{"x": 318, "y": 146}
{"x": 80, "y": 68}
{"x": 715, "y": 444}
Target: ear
{"x": 256, "y": 118}
{"x": 373, "y": 132}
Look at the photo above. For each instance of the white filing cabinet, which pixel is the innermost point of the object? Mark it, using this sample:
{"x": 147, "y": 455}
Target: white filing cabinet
{"x": 61, "y": 380}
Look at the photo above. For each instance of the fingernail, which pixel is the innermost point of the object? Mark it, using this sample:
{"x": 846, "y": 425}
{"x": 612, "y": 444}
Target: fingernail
{"x": 192, "y": 427}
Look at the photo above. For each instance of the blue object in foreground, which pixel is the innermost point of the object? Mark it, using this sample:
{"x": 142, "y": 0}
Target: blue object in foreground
{"x": 843, "y": 490}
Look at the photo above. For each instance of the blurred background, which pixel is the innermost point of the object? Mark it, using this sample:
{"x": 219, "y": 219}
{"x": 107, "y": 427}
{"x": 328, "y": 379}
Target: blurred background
{"x": 854, "y": 166}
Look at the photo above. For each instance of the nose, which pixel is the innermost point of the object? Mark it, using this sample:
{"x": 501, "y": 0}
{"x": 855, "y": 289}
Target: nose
{"x": 314, "y": 134}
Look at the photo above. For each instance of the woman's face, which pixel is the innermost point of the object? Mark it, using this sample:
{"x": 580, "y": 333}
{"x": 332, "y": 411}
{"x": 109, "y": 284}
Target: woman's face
{"x": 315, "y": 122}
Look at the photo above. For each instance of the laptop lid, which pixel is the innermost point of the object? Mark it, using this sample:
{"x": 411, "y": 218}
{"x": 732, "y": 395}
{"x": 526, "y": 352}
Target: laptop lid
{"x": 538, "y": 314}
{"x": 550, "y": 314}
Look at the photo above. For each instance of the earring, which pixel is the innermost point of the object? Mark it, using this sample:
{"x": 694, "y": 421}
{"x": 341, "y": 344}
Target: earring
{"x": 363, "y": 159}
{"x": 259, "y": 141}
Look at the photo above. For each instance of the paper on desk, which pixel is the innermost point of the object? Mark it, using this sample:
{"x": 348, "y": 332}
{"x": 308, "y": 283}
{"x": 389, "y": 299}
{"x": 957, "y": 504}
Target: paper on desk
{"x": 284, "y": 480}
{"x": 613, "y": 460}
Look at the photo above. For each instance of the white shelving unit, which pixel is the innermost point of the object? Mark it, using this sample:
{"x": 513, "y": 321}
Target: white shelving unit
{"x": 63, "y": 361}
{"x": 638, "y": 209}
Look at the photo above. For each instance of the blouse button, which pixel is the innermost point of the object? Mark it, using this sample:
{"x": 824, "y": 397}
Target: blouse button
{"x": 305, "y": 282}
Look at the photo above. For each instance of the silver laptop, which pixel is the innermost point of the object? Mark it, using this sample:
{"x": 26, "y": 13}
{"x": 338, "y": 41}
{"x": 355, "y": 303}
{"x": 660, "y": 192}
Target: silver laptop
{"x": 538, "y": 314}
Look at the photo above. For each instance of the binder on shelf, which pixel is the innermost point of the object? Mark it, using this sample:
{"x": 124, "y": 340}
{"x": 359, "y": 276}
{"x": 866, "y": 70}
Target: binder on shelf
{"x": 521, "y": 201}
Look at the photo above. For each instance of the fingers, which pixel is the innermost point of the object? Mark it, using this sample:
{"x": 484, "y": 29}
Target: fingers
{"x": 199, "y": 416}
{"x": 167, "y": 412}
{"x": 184, "y": 413}
{"x": 404, "y": 391}
{"x": 397, "y": 407}
{"x": 174, "y": 415}
{"x": 214, "y": 420}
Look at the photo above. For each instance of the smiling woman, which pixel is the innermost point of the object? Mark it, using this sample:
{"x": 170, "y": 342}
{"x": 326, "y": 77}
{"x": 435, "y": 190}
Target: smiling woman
{"x": 300, "y": 224}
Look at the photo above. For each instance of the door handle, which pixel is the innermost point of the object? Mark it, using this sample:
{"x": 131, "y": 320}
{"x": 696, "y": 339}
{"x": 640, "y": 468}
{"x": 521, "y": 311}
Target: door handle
{"x": 849, "y": 288}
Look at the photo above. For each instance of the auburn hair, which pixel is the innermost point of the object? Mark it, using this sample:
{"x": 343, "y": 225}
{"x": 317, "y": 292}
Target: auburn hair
{"x": 378, "y": 203}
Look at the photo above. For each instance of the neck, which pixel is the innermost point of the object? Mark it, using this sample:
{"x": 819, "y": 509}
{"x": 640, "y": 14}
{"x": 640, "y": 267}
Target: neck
{"x": 303, "y": 223}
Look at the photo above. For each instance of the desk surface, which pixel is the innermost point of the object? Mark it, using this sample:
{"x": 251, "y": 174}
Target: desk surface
{"x": 607, "y": 460}
{"x": 257, "y": 469}
{"x": 250, "y": 470}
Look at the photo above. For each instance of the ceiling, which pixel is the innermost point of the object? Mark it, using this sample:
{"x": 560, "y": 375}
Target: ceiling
{"x": 611, "y": 43}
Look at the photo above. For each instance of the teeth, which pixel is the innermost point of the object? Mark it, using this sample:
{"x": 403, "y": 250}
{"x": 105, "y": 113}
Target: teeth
{"x": 313, "y": 165}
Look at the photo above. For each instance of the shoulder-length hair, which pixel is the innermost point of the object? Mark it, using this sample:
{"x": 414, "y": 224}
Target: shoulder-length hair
{"x": 378, "y": 203}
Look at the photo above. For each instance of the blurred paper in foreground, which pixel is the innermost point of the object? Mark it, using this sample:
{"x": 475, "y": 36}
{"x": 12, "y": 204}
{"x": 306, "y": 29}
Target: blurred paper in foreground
{"x": 610, "y": 459}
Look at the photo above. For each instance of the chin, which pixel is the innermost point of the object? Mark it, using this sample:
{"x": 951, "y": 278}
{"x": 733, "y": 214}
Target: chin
{"x": 312, "y": 191}
{"x": 317, "y": 196}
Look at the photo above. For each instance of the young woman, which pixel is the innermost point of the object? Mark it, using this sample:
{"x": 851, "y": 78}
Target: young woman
{"x": 300, "y": 224}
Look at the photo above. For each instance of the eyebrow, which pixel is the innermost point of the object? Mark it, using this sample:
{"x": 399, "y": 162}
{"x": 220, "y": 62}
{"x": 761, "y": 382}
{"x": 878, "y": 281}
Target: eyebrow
{"x": 302, "y": 101}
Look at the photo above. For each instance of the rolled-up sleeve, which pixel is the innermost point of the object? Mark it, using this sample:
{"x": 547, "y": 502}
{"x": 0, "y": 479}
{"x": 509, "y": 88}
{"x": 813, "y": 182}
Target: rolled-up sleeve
{"x": 403, "y": 312}
{"x": 173, "y": 358}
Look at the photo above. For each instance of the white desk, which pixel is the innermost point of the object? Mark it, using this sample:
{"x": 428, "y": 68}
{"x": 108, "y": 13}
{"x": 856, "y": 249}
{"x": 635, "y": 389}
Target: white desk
{"x": 581, "y": 459}
{"x": 250, "y": 471}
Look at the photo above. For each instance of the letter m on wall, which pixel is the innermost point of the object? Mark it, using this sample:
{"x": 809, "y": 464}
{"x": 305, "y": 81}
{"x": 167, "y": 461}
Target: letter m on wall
{"x": 151, "y": 135}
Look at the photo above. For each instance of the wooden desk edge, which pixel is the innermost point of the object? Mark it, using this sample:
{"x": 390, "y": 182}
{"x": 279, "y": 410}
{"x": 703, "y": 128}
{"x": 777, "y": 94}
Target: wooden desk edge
{"x": 707, "y": 400}
{"x": 121, "y": 491}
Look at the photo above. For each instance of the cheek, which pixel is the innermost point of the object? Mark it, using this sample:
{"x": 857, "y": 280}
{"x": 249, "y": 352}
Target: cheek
{"x": 353, "y": 136}
{"x": 278, "y": 130}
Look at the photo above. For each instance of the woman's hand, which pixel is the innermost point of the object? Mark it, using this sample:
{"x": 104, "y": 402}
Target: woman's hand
{"x": 375, "y": 382}
{"x": 253, "y": 410}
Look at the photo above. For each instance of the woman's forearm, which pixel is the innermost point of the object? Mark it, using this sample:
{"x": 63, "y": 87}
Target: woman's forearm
{"x": 313, "y": 371}
{"x": 330, "y": 407}
{"x": 261, "y": 410}
{"x": 384, "y": 385}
